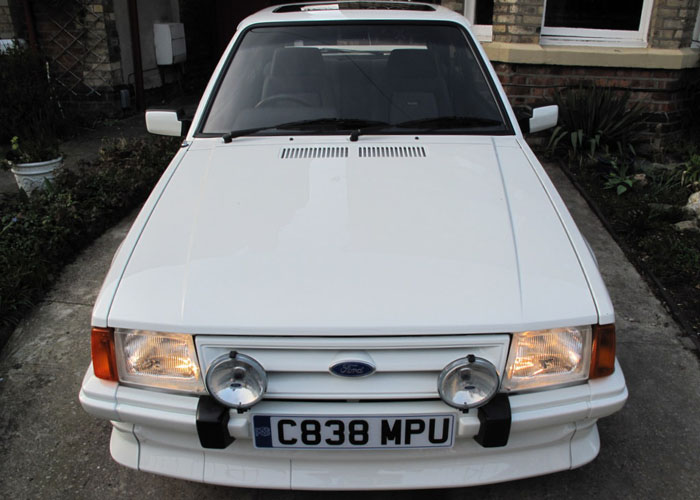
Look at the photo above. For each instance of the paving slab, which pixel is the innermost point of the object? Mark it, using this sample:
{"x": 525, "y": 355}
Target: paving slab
{"x": 50, "y": 448}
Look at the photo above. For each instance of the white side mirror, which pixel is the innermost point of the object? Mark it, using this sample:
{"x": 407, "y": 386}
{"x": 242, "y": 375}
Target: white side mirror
{"x": 165, "y": 122}
{"x": 543, "y": 118}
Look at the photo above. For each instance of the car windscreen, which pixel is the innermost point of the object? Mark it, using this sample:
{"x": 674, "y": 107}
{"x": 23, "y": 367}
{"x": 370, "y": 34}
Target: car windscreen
{"x": 328, "y": 79}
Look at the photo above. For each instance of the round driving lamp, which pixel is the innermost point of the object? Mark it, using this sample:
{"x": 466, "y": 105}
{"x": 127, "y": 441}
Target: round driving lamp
{"x": 236, "y": 380}
{"x": 468, "y": 382}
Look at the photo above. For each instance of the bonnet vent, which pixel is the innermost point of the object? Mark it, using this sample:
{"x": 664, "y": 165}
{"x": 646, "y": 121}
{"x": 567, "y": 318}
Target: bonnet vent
{"x": 392, "y": 152}
{"x": 329, "y": 152}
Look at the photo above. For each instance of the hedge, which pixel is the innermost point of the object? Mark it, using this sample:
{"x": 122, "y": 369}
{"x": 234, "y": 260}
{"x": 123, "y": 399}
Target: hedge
{"x": 42, "y": 233}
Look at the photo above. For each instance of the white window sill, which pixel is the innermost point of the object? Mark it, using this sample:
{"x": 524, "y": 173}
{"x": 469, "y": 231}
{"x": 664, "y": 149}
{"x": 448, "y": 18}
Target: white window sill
{"x": 483, "y": 32}
{"x": 592, "y": 41}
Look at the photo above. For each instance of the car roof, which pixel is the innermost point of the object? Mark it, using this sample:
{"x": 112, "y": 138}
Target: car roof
{"x": 352, "y": 11}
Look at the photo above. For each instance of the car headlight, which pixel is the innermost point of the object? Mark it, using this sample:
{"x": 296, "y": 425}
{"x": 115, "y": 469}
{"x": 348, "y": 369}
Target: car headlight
{"x": 546, "y": 358}
{"x": 468, "y": 382}
{"x": 236, "y": 380}
{"x": 158, "y": 360}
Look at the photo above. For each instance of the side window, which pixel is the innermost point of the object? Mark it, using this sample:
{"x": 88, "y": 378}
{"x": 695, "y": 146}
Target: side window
{"x": 623, "y": 23}
{"x": 480, "y": 14}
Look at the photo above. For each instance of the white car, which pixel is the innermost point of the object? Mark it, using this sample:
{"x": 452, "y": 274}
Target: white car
{"x": 354, "y": 274}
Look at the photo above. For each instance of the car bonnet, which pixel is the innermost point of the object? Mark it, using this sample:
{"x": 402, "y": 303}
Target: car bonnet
{"x": 326, "y": 237}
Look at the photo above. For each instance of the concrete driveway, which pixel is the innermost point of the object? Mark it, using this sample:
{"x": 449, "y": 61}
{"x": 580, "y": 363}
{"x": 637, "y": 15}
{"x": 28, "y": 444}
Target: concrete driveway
{"x": 50, "y": 448}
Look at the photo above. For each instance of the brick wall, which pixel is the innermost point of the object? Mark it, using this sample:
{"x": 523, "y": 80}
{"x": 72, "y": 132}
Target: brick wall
{"x": 520, "y": 21}
{"x": 79, "y": 39}
{"x": 456, "y": 5}
{"x": 517, "y": 21}
{"x": 672, "y": 23}
{"x": 666, "y": 94}
{"x": 7, "y": 29}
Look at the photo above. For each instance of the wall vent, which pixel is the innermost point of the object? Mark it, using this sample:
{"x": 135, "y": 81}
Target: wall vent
{"x": 313, "y": 152}
{"x": 392, "y": 152}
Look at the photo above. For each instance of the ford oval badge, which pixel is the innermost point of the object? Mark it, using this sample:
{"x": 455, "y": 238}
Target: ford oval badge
{"x": 352, "y": 369}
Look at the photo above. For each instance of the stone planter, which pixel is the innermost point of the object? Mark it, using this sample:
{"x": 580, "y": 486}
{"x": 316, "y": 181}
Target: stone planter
{"x": 31, "y": 176}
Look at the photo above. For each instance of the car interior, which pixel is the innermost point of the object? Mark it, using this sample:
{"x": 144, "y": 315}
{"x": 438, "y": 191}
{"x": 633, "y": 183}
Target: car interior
{"x": 385, "y": 83}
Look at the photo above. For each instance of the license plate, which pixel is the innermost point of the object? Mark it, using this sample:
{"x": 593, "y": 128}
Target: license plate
{"x": 366, "y": 432}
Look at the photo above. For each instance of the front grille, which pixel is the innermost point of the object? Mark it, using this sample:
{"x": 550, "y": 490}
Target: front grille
{"x": 407, "y": 367}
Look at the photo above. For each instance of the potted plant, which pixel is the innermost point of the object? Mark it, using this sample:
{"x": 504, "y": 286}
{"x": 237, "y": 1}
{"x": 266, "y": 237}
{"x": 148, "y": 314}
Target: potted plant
{"x": 31, "y": 117}
{"x": 33, "y": 162}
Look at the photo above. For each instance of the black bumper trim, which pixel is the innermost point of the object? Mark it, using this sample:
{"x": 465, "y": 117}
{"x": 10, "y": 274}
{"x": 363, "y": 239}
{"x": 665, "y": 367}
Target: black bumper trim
{"x": 212, "y": 424}
{"x": 495, "y": 418}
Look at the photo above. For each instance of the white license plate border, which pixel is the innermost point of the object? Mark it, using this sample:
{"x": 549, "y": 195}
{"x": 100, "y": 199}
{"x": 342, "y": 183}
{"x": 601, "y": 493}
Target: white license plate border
{"x": 453, "y": 431}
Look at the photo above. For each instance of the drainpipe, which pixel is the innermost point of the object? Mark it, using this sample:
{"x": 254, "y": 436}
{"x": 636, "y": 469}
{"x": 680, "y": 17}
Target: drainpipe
{"x": 136, "y": 53}
{"x": 31, "y": 26}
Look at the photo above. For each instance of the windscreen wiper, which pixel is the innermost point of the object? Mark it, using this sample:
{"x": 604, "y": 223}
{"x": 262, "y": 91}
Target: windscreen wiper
{"x": 316, "y": 124}
{"x": 429, "y": 124}
{"x": 448, "y": 122}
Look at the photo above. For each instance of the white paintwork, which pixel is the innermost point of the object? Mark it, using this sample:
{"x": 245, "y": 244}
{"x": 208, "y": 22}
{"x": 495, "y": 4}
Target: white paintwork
{"x": 543, "y": 118}
{"x": 397, "y": 260}
{"x": 332, "y": 246}
{"x": 551, "y": 431}
{"x": 163, "y": 123}
{"x": 406, "y": 367}
{"x": 599, "y": 292}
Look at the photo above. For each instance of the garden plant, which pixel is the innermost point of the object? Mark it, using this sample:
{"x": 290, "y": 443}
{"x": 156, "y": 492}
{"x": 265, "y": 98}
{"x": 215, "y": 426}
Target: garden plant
{"x": 41, "y": 233}
{"x": 647, "y": 202}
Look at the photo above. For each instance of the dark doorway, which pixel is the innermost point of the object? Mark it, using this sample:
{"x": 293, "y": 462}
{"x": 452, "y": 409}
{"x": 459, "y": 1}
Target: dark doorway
{"x": 209, "y": 26}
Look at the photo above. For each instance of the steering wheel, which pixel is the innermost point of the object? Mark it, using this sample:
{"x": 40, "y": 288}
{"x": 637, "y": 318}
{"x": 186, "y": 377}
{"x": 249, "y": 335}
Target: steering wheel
{"x": 281, "y": 98}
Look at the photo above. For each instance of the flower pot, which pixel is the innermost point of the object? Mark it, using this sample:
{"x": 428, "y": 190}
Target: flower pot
{"x": 31, "y": 176}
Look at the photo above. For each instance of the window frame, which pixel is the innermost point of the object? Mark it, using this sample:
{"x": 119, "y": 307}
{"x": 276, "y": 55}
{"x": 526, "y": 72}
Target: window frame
{"x": 695, "y": 41}
{"x": 599, "y": 37}
{"x": 482, "y": 32}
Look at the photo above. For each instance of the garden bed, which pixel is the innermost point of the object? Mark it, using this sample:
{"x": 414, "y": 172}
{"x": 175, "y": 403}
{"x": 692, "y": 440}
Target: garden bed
{"x": 643, "y": 202}
{"x": 40, "y": 234}
{"x": 644, "y": 219}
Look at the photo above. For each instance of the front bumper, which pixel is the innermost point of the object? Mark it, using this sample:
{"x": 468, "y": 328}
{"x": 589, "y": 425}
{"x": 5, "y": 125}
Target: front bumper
{"x": 550, "y": 431}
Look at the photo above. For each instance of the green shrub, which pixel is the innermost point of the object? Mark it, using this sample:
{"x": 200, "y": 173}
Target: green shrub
{"x": 619, "y": 178}
{"x": 595, "y": 120}
{"x": 691, "y": 172}
{"x": 39, "y": 235}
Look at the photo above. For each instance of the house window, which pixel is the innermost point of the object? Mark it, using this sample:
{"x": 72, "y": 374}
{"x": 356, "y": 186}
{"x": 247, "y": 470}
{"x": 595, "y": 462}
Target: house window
{"x": 480, "y": 14}
{"x": 596, "y": 22}
{"x": 696, "y": 34}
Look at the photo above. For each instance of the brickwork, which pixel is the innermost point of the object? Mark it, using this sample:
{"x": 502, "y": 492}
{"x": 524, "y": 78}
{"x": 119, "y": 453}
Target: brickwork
{"x": 456, "y": 5}
{"x": 7, "y": 29}
{"x": 79, "y": 37}
{"x": 517, "y": 21}
{"x": 672, "y": 23}
{"x": 666, "y": 93}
